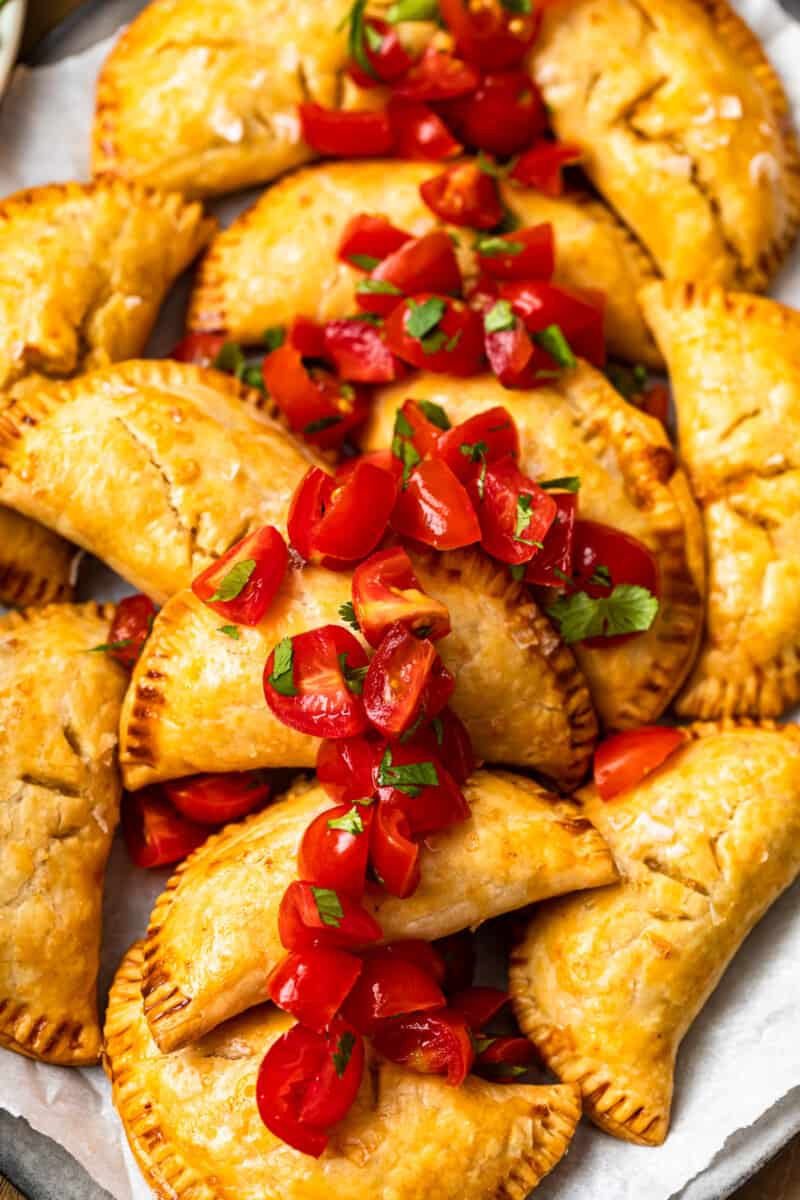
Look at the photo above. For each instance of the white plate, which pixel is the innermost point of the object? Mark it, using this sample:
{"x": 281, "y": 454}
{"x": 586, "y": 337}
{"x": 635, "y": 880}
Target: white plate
{"x": 12, "y": 19}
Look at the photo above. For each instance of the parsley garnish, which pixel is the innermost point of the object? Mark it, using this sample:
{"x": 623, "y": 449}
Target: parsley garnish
{"x": 423, "y": 318}
{"x": 355, "y": 37}
{"x": 350, "y": 823}
{"x": 559, "y": 574}
{"x": 499, "y": 317}
{"x": 601, "y": 576}
{"x": 253, "y": 377}
{"x": 482, "y": 1043}
{"x": 403, "y": 447}
{"x": 422, "y": 631}
{"x": 369, "y": 318}
{"x": 230, "y": 357}
{"x": 629, "y": 609}
{"x": 380, "y": 287}
{"x": 282, "y": 677}
{"x": 476, "y": 452}
{"x": 434, "y": 341}
{"x": 111, "y": 646}
{"x": 524, "y": 510}
{"x": 523, "y": 7}
{"x": 496, "y": 170}
{"x": 365, "y": 261}
{"x": 628, "y": 381}
{"x": 413, "y": 10}
{"x": 434, "y": 413}
{"x": 493, "y": 246}
{"x": 320, "y": 424}
{"x": 343, "y": 1052}
{"x": 517, "y": 571}
{"x": 565, "y": 483}
{"x": 503, "y": 1070}
{"x": 274, "y": 337}
{"x": 329, "y": 906}
{"x": 410, "y": 778}
{"x": 438, "y": 730}
{"x": 231, "y": 631}
{"x": 353, "y": 676}
{"x": 347, "y": 391}
{"x": 236, "y": 580}
{"x": 348, "y": 613}
{"x": 374, "y": 38}
{"x": 553, "y": 341}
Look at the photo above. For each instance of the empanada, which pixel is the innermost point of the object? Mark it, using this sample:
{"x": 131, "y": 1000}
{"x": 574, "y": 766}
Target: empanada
{"x": 579, "y": 425}
{"x": 196, "y": 701}
{"x": 269, "y": 266}
{"x": 36, "y": 565}
{"x": 192, "y": 1122}
{"x": 606, "y": 984}
{"x": 59, "y": 800}
{"x": 203, "y": 963}
{"x": 684, "y": 127}
{"x": 734, "y": 361}
{"x": 156, "y": 467}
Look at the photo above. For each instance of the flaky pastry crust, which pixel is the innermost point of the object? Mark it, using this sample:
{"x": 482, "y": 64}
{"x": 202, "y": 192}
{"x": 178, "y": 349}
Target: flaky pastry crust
{"x": 36, "y": 565}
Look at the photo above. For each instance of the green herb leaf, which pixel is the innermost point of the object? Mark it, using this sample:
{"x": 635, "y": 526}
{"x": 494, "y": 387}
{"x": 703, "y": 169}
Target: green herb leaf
{"x": 402, "y": 425}
{"x": 353, "y": 676}
{"x": 524, "y": 510}
{"x": 368, "y": 318}
{"x": 523, "y": 7}
{"x": 434, "y": 413}
{"x": 499, "y": 317}
{"x": 601, "y": 576}
{"x": 452, "y": 342}
{"x": 350, "y": 823}
{"x": 565, "y": 483}
{"x": 517, "y": 571}
{"x": 553, "y": 341}
{"x": 320, "y": 424}
{"x": 253, "y": 377}
{"x": 482, "y": 1043}
{"x": 474, "y": 451}
{"x": 343, "y": 1052}
{"x": 496, "y": 170}
{"x": 628, "y": 381}
{"x": 380, "y": 287}
{"x": 274, "y": 337}
{"x": 502, "y": 1070}
{"x": 231, "y": 631}
{"x": 403, "y": 448}
{"x": 410, "y": 778}
{"x": 365, "y": 261}
{"x": 230, "y": 357}
{"x": 438, "y": 730}
{"x": 423, "y": 318}
{"x": 236, "y": 580}
{"x": 559, "y": 574}
{"x": 493, "y": 247}
{"x": 329, "y": 906}
{"x": 110, "y": 646}
{"x": 355, "y": 37}
{"x": 347, "y": 391}
{"x": 434, "y": 341}
{"x": 413, "y": 10}
{"x": 348, "y": 613}
{"x": 282, "y": 677}
{"x": 374, "y": 38}
{"x": 629, "y": 609}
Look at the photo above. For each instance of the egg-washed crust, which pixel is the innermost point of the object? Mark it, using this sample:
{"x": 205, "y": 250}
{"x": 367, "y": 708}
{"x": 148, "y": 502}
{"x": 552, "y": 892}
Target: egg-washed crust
{"x": 579, "y": 425}
{"x": 739, "y": 441}
{"x": 641, "y": 1114}
{"x": 48, "y": 1008}
{"x": 732, "y": 251}
{"x": 268, "y": 266}
{"x": 36, "y": 565}
{"x": 203, "y": 967}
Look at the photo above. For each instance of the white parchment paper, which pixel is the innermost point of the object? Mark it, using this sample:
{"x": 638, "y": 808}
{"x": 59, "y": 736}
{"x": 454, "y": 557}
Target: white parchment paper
{"x": 738, "y": 1083}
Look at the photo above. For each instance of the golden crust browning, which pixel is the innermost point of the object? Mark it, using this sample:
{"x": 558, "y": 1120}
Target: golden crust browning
{"x": 36, "y": 565}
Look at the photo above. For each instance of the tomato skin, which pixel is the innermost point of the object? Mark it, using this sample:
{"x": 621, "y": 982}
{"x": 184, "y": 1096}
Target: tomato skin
{"x": 433, "y": 1043}
{"x": 386, "y": 591}
{"x": 536, "y": 260}
{"x": 556, "y": 554}
{"x": 441, "y": 686}
{"x": 392, "y": 853}
{"x": 462, "y": 350}
{"x": 425, "y": 437}
{"x": 502, "y": 485}
{"x": 504, "y": 1053}
{"x": 541, "y": 166}
{"x": 502, "y": 116}
{"x": 627, "y": 559}
{"x": 339, "y": 521}
{"x": 346, "y": 767}
{"x": 379, "y": 458}
{"x": 267, "y": 549}
{"x": 345, "y": 134}
{"x": 390, "y": 987}
{"x": 510, "y": 353}
{"x": 312, "y": 984}
{"x": 449, "y": 741}
{"x": 484, "y": 37}
{"x": 579, "y": 317}
{"x": 132, "y": 623}
{"x": 370, "y": 234}
{"x": 359, "y": 352}
{"x": 292, "y": 1060}
{"x": 436, "y": 806}
{"x": 414, "y": 950}
{"x": 419, "y": 132}
{"x": 322, "y": 705}
{"x": 328, "y": 1097}
{"x": 314, "y": 405}
{"x": 155, "y": 834}
{"x": 478, "y": 1005}
{"x": 334, "y": 858}
{"x": 437, "y": 76}
{"x": 623, "y": 760}
{"x": 216, "y": 799}
{"x": 301, "y": 927}
{"x": 435, "y": 509}
{"x": 424, "y": 264}
{"x": 494, "y": 427}
{"x": 389, "y": 62}
{"x": 198, "y": 348}
{"x": 396, "y": 680}
{"x": 308, "y": 337}
{"x": 464, "y": 195}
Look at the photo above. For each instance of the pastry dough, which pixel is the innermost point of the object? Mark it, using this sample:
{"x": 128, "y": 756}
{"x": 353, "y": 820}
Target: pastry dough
{"x": 203, "y": 964}
{"x": 156, "y": 467}
{"x": 607, "y": 984}
{"x": 580, "y": 425}
{"x": 192, "y": 1122}
{"x": 684, "y": 127}
{"x": 735, "y": 366}
{"x": 196, "y": 701}
{"x": 36, "y": 565}
{"x": 269, "y": 266}
{"x": 59, "y": 800}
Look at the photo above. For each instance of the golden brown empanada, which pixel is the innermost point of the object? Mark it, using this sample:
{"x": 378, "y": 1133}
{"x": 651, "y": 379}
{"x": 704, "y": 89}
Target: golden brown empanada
{"x": 734, "y": 361}
{"x": 269, "y": 266}
{"x": 606, "y": 984}
{"x": 59, "y": 800}
{"x": 156, "y": 467}
{"x": 196, "y": 701}
{"x": 579, "y": 425}
{"x": 193, "y": 1125}
{"x": 36, "y": 565}
{"x": 203, "y": 964}
{"x": 684, "y": 128}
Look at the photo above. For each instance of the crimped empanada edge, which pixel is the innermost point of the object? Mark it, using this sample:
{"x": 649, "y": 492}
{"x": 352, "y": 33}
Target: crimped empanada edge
{"x": 37, "y": 580}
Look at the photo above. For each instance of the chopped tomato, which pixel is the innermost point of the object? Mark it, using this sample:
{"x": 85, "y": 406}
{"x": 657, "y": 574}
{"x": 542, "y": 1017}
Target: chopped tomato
{"x": 425, "y": 264}
{"x": 314, "y": 403}
{"x": 308, "y": 337}
{"x": 312, "y": 984}
{"x": 510, "y": 353}
{"x": 436, "y": 333}
{"x": 414, "y": 780}
{"x": 346, "y": 134}
{"x": 441, "y": 686}
{"x": 478, "y": 1005}
{"x": 458, "y": 953}
{"x": 215, "y": 799}
{"x": 541, "y": 167}
{"x": 386, "y": 591}
{"x": 387, "y": 56}
{"x": 486, "y": 437}
{"x": 524, "y": 254}
{"x": 346, "y": 767}
{"x": 435, "y": 508}
{"x": 130, "y": 628}
{"x": 242, "y": 584}
{"x": 359, "y": 352}
{"x": 447, "y": 738}
{"x": 419, "y": 132}
{"x": 379, "y": 458}
{"x": 505, "y": 1058}
{"x": 437, "y": 76}
{"x": 396, "y": 681}
{"x": 514, "y": 512}
{"x": 623, "y": 760}
{"x": 155, "y": 834}
{"x": 433, "y": 1043}
{"x": 369, "y": 236}
{"x": 602, "y": 558}
{"x": 464, "y": 195}
{"x": 313, "y": 683}
{"x": 414, "y": 950}
{"x": 490, "y": 35}
{"x": 312, "y": 916}
{"x": 389, "y": 987}
{"x": 339, "y": 521}
{"x": 579, "y": 316}
{"x": 334, "y": 849}
{"x": 554, "y": 560}
{"x": 394, "y": 857}
{"x": 199, "y": 348}
{"x": 502, "y": 116}
{"x": 331, "y": 1092}
{"x": 655, "y": 401}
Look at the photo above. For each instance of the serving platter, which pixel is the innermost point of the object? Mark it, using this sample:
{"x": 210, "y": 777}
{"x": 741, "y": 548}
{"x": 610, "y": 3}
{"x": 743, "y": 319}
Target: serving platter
{"x": 12, "y": 21}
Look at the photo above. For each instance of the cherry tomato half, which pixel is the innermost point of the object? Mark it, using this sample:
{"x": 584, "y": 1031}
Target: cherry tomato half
{"x": 419, "y": 132}
{"x": 425, "y": 264}
{"x": 386, "y": 592}
{"x": 541, "y": 167}
{"x": 199, "y": 348}
{"x": 397, "y": 679}
{"x": 370, "y": 236}
{"x": 312, "y": 916}
{"x": 433, "y": 1043}
{"x": 414, "y": 780}
{"x": 130, "y": 628}
{"x": 393, "y": 856}
{"x": 334, "y": 849}
{"x": 602, "y": 558}
{"x": 478, "y": 1005}
{"x": 487, "y": 437}
{"x": 514, "y": 512}
{"x": 548, "y": 567}
{"x": 491, "y": 36}
{"x": 436, "y": 333}
{"x": 579, "y": 316}
{"x": 316, "y": 404}
{"x": 155, "y": 834}
{"x": 523, "y": 254}
{"x": 502, "y": 116}
{"x": 447, "y": 738}
{"x": 623, "y": 760}
{"x": 389, "y": 987}
{"x": 313, "y": 683}
{"x": 331, "y": 1093}
{"x": 505, "y": 1059}
{"x": 312, "y": 984}
{"x": 308, "y": 337}
{"x": 242, "y": 584}
{"x": 336, "y": 522}
{"x": 511, "y": 354}
{"x": 385, "y": 53}
{"x": 435, "y": 508}
{"x": 346, "y": 767}
{"x": 359, "y": 352}
{"x": 414, "y": 950}
{"x": 215, "y": 799}
{"x": 425, "y": 433}
{"x": 464, "y": 195}
{"x": 437, "y": 76}
{"x": 346, "y": 134}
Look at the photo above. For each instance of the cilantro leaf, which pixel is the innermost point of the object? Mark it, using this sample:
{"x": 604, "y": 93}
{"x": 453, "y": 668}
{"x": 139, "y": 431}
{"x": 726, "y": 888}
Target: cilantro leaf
{"x": 402, "y": 425}
{"x": 380, "y": 287}
{"x": 517, "y": 571}
{"x": 502, "y": 1070}
{"x": 438, "y": 730}
{"x": 413, "y": 10}
{"x": 350, "y": 823}
{"x": 499, "y": 317}
{"x": 355, "y": 37}
{"x": 410, "y": 778}
{"x": 329, "y": 906}
{"x": 493, "y": 246}
{"x": 524, "y": 512}
{"x": 434, "y": 413}
{"x": 629, "y": 609}
{"x": 474, "y": 451}
{"x": 628, "y": 381}
{"x": 496, "y": 170}
{"x": 434, "y": 341}
{"x": 365, "y": 261}
{"x": 282, "y": 677}
{"x": 369, "y": 318}
{"x": 110, "y": 646}
{"x": 402, "y": 446}
{"x": 274, "y": 337}
{"x": 343, "y": 1052}
{"x": 553, "y": 341}
{"x": 348, "y": 613}
{"x": 253, "y": 377}
{"x": 601, "y": 576}
{"x": 230, "y": 357}
{"x": 353, "y": 676}
{"x": 236, "y": 580}
{"x": 231, "y": 631}
{"x": 523, "y": 7}
{"x": 374, "y": 38}
{"x": 425, "y": 316}
{"x": 564, "y": 483}
{"x": 320, "y": 424}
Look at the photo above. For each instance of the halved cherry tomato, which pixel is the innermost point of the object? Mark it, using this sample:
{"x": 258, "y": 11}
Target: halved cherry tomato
{"x": 478, "y": 1005}
{"x": 437, "y": 76}
{"x": 370, "y": 236}
{"x": 130, "y": 628}
{"x": 242, "y": 584}
{"x": 447, "y": 738}
{"x": 338, "y": 521}
{"x": 419, "y": 132}
{"x": 491, "y": 35}
{"x": 655, "y": 401}
{"x": 330, "y": 1094}
{"x": 486, "y": 437}
{"x": 199, "y": 348}
{"x": 308, "y": 337}
{"x": 425, "y": 432}
{"x": 215, "y": 799}
{"x": 346, "y": 134}
{"x": 514, "y": 512}
{"x": 453, "y": 337}
{"x": 626, "y": 560}
{"x": 435, "y": 508}
{"x": 505, "y": 1058}
{"x": 414, "y": 780}
{"x": 541, "y": 167}
{"x": 334, "y": 849}
{"x": 313, "y": 683}
{"x": 433, "y": 1043}
{"x": 464, "y": 195}
{"x": 394, "y": 857}
{"x": 389, "y": 59}
{"x": 623, "y": 760}
{"x": 458, "y": 953}
{"x": 441, "y": 686}
{"x": 346, "y": 767}
{"x": 396, "y": 681}
{"x": 556, "y": 553}
{"x": 155, "y": 834}
{"x": 316, "y": 404}
{"x": 386, "y": 591}
{"x": 312, "y": 984}
{"x": 510, "y": 353}
{"x": 389, "y": 987}
{"x": 359, "y": 352}
{"x": 379, "y": 458}
{"x": 578, "y": 316}
{"x": 426, "y": 264}
{"x": 414, "y": 950}
{"x": 530, "y": 253}
{"x": 502, "y": 116}
{"x": 312, "y": 916}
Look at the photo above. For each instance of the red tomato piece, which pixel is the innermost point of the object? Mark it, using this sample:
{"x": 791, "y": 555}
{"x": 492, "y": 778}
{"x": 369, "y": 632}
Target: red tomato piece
{"x": 530, "y": 254}
{"x": 216, "y": 799}
{"x": 387, "y": 592}
{"x": 346, "y": 134}
{"x": 437, "y": 76}
{"x": 419, "y": 132}
{"x": 331, "y": 1092}
{"x": 314, "y": 403}
{"x": 414, "y": 950}
{"x": 510, "y": 353}
{"x": 338, "y": 521}
{"x": 426, "y": 264}
{"x": 346, "y": 767}
{"x": 130, "y": 628}
{"x": 502, "y": 116}
{"x": 313, "y": 683}
{"x": 334, "y": 849}
{"x": 623, "y": 760}
{"x": 458, "y": 953}
{"x": 579, "y": 317}
{"x": 514, "y": 512}
{"x": 453, "y": 339}
{"x": 556, "y": 553}
{"x": 379, "y": 458}
{"x": 505, "y": 1058}
{"x": 359, "y": 352}
{"x": 446, "y": 737}
{"x": 435, "y": 508}
{"x": 478, "y": 1005}
{"x": 312, "y": 984}
{"x": 441, "y": 686}
{"x": 541, "y": 167}
{"x": 390, "y": 987}
{"x": 155, "y": 834}
{"x": 199, "y": 348}
{"x": 388, "y": 60}
{"x": 413, "y": 780}
{"x": 425, "y": 433}
{"x": 312, "y": 916}
{"x": 464, "y": 195}
{"x": 394, "y": 857}
{"x": 432, "y": 1043}
{"x": 655, "y": 401}
{"x": 626, "y": 560}
{"x": 396, "y": 681}
{"x": 486, "y": 437}
{"x": 308, "y": 337}
{"x": 490, "y": 36}
{"x": 242, "y": 584}
{"x": 370, "y": 235}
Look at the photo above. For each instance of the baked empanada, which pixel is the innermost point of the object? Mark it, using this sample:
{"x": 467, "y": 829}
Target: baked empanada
{"x": 196, "y": 701}
{"x": 203, "y": 963}
{"x": 684, "y": 128}
{"x": 270, "y": 265}
{"x": 156, "y": 467}
{"x": 606, "y": 984}
{"x": 36, "y": 565}
{"x": 59, "y": 800}
{"x": 579, "y": 425}
{"x": 193, "y": 1125}
{"x": 734, "y": 361}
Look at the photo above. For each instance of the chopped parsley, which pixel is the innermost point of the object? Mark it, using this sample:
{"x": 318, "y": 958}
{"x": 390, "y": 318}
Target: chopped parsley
{"x": 353, "y": 676}
{"x": 434, "y": 413}
{"x": 369, "y": 318}
{"x": 564, "y": 483}
{"x": 524, "y": 512}
{"x": 413, "y": 10}
{"x": 329, "y": 906}
{"x": 553, "y": 341}
{"x": 356, "y": 26}
{"x": 231, "y": 631}
{"x": 601, "y": 576}
{"x": 409, "y": 778}
{"x": 343, "y": 1052}
{"x": 380, "y": 287}
{"x": 476, "y": 452}
{"x": 253, "y": 377}
{"x": 403, "y": 447}
{"x": 629, "y": 609}
{"x": 274, "y": 337}
{"x": 374, "y": 38}
{"x": 503, "y": 1070}
{"x": 282, "y": 676}
{"x": 423, "y": 317}
{"x": 234, "y": 583}
{"x": 110, "y": 646}
{"x": 230, "y": 357}
{"x": 496, "y": 170}
{"x": 499, "y": 317}
{"x": 348, "y": 614}
{"x": 438, "y": 730}
{"x": 320, "y": 424}
{"x": 522, "y": 7}
{"x": 493, "y": 246}
{"x": 365, "y": 261}
{"x": 517, "y": 571}
{"x": 628, "y": 381}
{"x": 350, "y": 823}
